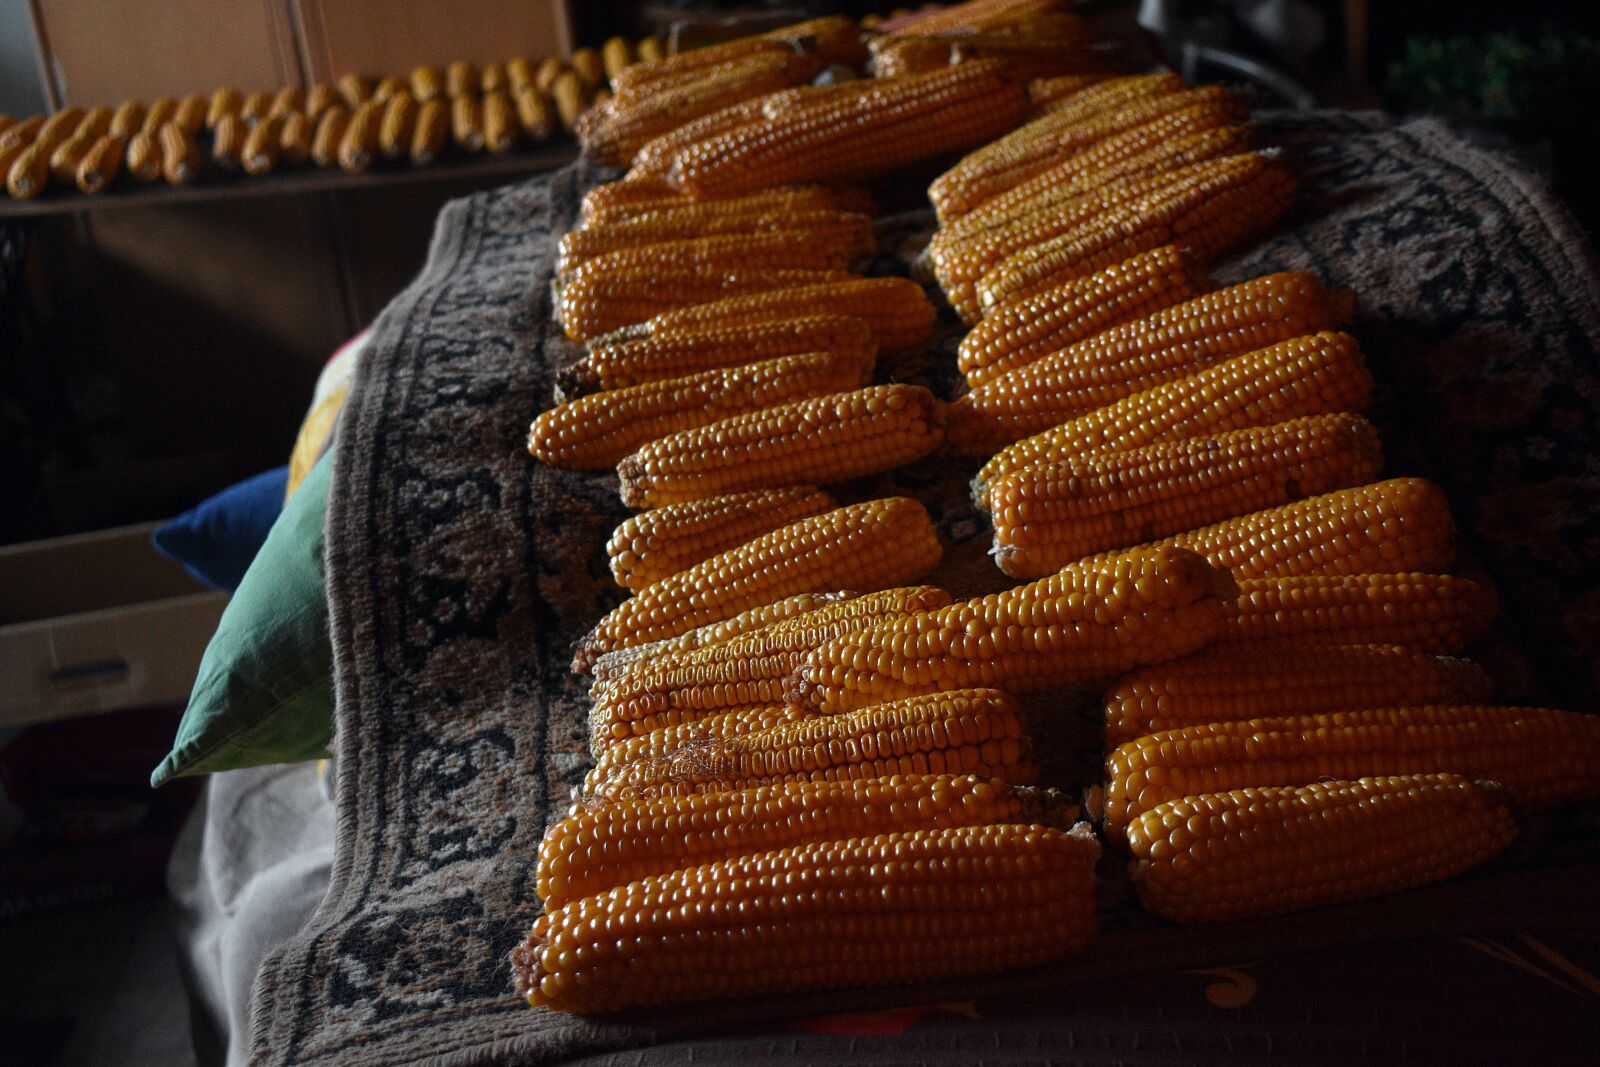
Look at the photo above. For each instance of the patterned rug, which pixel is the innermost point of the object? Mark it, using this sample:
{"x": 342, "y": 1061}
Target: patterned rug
{"x": 460, "y": 575}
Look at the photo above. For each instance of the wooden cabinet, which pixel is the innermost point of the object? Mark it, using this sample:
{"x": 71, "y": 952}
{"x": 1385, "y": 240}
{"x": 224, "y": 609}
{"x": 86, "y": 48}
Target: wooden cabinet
{"x": 337, "y": 36}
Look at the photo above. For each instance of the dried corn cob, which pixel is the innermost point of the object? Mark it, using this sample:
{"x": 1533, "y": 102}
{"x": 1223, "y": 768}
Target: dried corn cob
{"x": 8, "y": 158}
{"x": 874, "y": 545}
{"x": 595, "y": 432}
{"x": 650, "y": 359}
{"x": 1042, "y": 91}
{"x": 22, "y": 134}
{"x": 289, "y": 98}
{"x": 640, "y": 945}
{"x": 610, "y": 845}
{"x": 252, "y": 108}
{"x": 642, "y": 80}
{"x": 1018, "y": 332}
{"x": 616, "y": 56}
{"x": 1230, "y": 205}
{"x": 824, "y": 239}
{"x": 356, "y": 90}
{"x": 1428, "y": 612}
{"x": 1097, "y": 112}
{"x": 1312, "y": 375}
{"x": 461, "y": 78}
{"x": 570, "y": 98}
{"x": 319, "y": 99}
{"x": 466, "y": 122}
{"x": 656, "y": 158}
{"x": 536, "y": 113}
{"x": 896, "y": 310}
{"x": 520, "y": 73}
{"x": 550, "y": 68}
{"x": 190, "y": 117}
{"x": 1233, "y": 684}
{"x": 100, "y": 165}
{"x": 359, "y": 144}
{"x": 60, "y": 126}
{"x": 1266, "y": 851}
{"x": 493, "y": 79}
{"x": 294, "y": 138}
{"x": 1088, "y": 621}
{"x": 743, "y": 672}
{"x": 262, "y": 146}
{"x": 635, "y": 122}
{"x": 668, "y": 731}
{"x": 180, "y": 157}
{"x": 655, "y": 544}
{"x": 1047, "y": 516}
{"x": 651, "y": 50}
{"x": 127, "y": 119}
{"x": 223, "y": 102}
{"x": 1544, "y": 757}
{"x": 976, "y": 15}
{"x": 613, "y": 664}
{"x": 500, "y": 123}
{"x": 626, "y": 200}
{"x": 30, "y": 171}
{"x": 144, "y": 157}
{"x": 432, "y": 127}
{"x": 64, "y": 160}
{"x": 866, "y": 131}
{"x": 967, "y": 731}
{"x": 597, "y": 301}
{"x": 1398, "y": 525}
{"x": 397, "y": 126}
{"x": 330, "y": 134}
{"x": 823, "y": 440}
{"x": 388, "y": 88}
{"x": 1026, "y": 58}
{"x": 587, "y": 64}
{"x": 96, "y": 123}
{"x": 427, "y": 83}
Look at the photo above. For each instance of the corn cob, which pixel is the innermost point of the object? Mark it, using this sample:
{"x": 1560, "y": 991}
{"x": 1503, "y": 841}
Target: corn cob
{"x": 359, "y": 144}
{"x": 626, "y": 200}
{"x": 1088, "y": 621}
{"x": 1234, "y": 684}
{"x": 744, "y": 672}
{"x": 1313, "y": 375}
{"x": 1253, "y": 852}
{"x": 21, "y": 134}
{"x": 127, "y": 119}
{"x": 1047, "y": 516}
{"x": 294, "y": 138}
{"x": 610, "y": 845}
{"x": 550, "y": 68}
{"x": 822, "y": 440}
{"x": 190, "y": 116}
{"x": 595, "y": 432}
{"x": 1233, "y": 204}
{"x": 640, "y": 944}
{"x": 895, "y": 309}
{"x": 180, "y": 157}
{"x": 871, "y": 130}
{"x": 330, "y": 134}
{"x": 96, "y": 123}
{"x": 1018, "y": 332}
{"x": 597, "y": 300}
{"x": 819, "y": 239}
{"x": 650, "y": 359}
{"x": 665, "y": 733}
{"x": 30, "y": 171}
{"x": 144, "y": 157}
{"x": 616, "y": 55}
{"x": 520, "y": 73}
{"x": 99, "y": 166}
{"x": 500, "y": 123}
{"x": 66, "y": 157}
{"x": 570, "y": 98}
{"x": 980, "y": 732}
{"x": 356, "y": 89}
{"x": 397, "y": 126}
{"x": 1096, "y": 113}
{"x": 388, "y": 88}
{"x": 656, "y": 158}
{"x": 655, "y": 544}
{"x": 874, "y": 545}
{"x": 615, "y": 141}
{"x": 319, "y": 99}
{"x": 466, "y": 122}
{"x": 60, "y": 126}
{"x": 252, "y": 109}
{"x": 896, "y": 57}
{"x": 1428, "y": 612}
{"x": 427, "y": 83}
{"x": 642, "y": 80}
{"x": 461, "y": 79}
{"x": 224, "y": 101}
{"x": 587, "y": 64}
{"x": 289, "y": 98}
{"x": 262, "y": 146}
{"x": 614, "y": 664}
{"x": 1042, "y": 91}
{"x": 493, "y": 79}
{"x": 650, "y": 50}
{"x": 536, "y": 113}
{"x": 431, "y": 129}
{"x": 1544, "y": 757}
{"x": 8, "y": 158}
{"x": 976, "y": 15}
{"x": 711, "y": 219}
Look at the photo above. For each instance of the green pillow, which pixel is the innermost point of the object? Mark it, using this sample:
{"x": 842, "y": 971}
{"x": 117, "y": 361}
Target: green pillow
{"x": 264, "y": 693}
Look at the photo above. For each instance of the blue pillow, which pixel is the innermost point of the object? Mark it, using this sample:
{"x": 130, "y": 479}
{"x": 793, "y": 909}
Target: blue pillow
{"x": 216, "y": 539}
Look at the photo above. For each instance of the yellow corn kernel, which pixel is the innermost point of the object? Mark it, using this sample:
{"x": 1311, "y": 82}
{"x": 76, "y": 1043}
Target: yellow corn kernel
{"x": 1428, "y": 612}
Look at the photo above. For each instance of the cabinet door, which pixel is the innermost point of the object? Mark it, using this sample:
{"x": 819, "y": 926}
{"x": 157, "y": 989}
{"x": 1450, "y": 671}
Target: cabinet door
{"x": 100, "y": 53}
{"x": 340, "y": 36}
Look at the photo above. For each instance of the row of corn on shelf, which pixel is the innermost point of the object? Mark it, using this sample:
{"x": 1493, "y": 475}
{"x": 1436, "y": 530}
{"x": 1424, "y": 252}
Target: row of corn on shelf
{"x": 812, "y": 770}
{"x": 352, "y": 124}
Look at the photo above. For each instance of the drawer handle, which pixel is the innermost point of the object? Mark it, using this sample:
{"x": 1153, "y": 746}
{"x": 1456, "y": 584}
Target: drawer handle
{"x": 94, "y": 670}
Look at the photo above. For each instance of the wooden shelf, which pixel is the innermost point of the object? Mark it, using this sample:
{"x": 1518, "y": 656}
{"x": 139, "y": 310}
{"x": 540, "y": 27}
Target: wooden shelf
{"x": 217, "y": 185}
